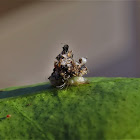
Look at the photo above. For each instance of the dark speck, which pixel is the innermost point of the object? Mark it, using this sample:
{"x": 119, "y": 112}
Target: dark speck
{"x": 28, "y": 104}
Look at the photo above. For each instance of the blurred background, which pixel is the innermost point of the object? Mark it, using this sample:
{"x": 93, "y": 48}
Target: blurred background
{"x": 31, "y": 33}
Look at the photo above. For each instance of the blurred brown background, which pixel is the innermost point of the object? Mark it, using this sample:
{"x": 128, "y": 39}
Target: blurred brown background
{"x": 31, "y": 33}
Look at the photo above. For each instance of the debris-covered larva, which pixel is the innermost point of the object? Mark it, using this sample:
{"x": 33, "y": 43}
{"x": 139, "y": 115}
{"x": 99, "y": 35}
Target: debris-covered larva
{"x": 66, "y": 71}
